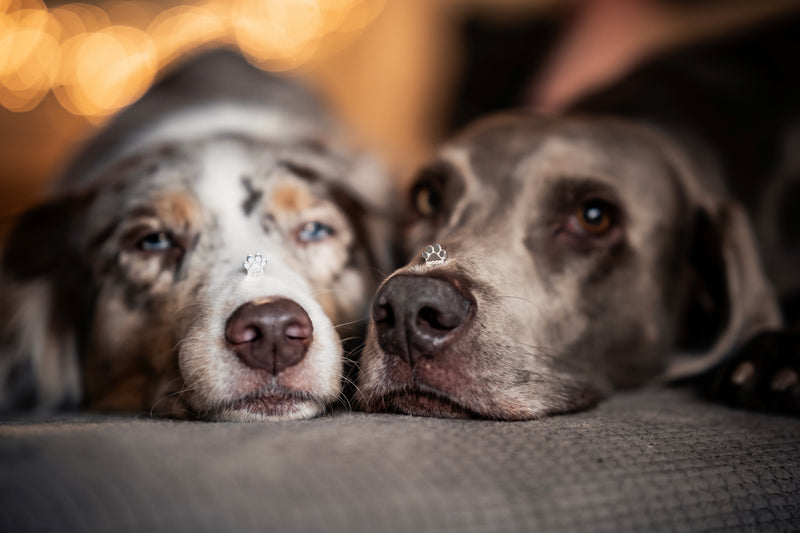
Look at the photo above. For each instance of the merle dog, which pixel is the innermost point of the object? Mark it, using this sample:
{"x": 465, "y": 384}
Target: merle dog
{"x": 139, "y": 285}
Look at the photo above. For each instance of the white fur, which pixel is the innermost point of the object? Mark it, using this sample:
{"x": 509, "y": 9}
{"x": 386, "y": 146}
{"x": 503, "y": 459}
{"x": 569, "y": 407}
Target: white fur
{"x": 208, "y": 121}
{"x": 207, "y": 363}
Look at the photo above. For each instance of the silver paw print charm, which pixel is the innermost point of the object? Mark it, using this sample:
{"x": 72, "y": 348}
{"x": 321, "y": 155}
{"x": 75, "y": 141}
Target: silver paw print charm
{"x": 434, "y": 255}
{"x": 254, "y": 265}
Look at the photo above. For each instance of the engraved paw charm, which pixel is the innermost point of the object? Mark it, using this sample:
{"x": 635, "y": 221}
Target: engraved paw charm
{"x": 254, "y": 265}
{"x": 434, "y": 255}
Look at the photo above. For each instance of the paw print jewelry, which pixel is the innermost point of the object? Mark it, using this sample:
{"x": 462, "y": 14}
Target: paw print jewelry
{"x": 254, "y": 265}
{"x": 434, "y": 255}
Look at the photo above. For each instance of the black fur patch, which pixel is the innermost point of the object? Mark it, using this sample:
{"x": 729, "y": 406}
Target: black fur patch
{"x": 301, "y": 171}
{"x": 708, "y": 310}
{"x": 253, "y": 196}
{"x": 40, "y": 241}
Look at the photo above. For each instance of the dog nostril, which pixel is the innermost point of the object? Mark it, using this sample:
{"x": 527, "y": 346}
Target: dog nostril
{"x": 298, "y": 331}
{"x": 248, "y": 335}
{"x": 239, "y": 332}
{"x": 383, "y": 314}
{"x": 439, "y": 320}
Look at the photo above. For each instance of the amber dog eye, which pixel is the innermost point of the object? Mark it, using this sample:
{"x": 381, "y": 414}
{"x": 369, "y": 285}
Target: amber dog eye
{"x": 426, "y": 201}
{"x": 595, "y": 217}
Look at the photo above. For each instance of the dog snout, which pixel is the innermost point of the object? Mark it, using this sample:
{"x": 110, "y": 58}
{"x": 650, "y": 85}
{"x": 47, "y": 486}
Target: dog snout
{"x": 270, "y": 336}
{"x": 418, "y": 316}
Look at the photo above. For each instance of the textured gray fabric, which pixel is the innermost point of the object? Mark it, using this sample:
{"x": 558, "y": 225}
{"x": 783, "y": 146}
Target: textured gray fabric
{"x": 647, "y": 460}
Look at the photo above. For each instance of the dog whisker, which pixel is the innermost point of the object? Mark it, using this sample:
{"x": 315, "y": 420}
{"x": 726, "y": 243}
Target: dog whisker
{"x": 356, "y": 321}
{"x": 355, "y": 350}
{"x": 526, "y": 300}
{"x": 184, "y": 307}
{"x": 177, "y": 394}
{"x": 383, "y": 275}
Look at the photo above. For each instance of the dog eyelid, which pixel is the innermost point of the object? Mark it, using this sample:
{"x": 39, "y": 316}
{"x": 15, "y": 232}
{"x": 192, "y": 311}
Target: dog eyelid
{"x": 426, "y": 200}
{"x": 428, "y": 194}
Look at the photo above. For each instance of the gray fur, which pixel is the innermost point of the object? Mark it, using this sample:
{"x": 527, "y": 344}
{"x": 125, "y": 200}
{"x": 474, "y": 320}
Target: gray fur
{"x": 560, "y": 321}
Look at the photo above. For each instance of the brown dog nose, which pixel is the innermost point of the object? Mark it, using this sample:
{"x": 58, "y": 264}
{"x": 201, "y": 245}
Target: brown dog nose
{"x": 418, "y": 316}
{"x": 270, "y": 336}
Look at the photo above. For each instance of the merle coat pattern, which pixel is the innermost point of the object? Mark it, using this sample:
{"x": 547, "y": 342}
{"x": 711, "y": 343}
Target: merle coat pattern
{"x": 126, "y": 290}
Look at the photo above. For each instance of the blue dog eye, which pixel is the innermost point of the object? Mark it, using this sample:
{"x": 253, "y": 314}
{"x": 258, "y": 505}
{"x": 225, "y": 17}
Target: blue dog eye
{"x": 156, "y": 242}
{"x": 314, "y": 232}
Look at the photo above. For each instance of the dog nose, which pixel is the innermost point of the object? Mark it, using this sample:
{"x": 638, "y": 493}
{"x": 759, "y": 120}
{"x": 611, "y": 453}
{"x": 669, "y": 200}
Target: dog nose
{"x": 271, "y": 336}
{"x": 417, "y": 316}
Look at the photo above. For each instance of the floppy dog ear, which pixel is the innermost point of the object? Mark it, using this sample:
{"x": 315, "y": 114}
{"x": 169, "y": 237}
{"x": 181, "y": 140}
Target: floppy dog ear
{"x": 40, "y": 284}
{"x": 729, "y": 298}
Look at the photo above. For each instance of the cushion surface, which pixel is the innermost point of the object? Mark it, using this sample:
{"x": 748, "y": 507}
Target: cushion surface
{"x": 654, "y": 459}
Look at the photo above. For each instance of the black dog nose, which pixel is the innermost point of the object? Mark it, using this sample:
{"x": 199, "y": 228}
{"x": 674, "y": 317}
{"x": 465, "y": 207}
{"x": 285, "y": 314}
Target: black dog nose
{"x": 418, "y": 316}
{"x": 270, "y": 336}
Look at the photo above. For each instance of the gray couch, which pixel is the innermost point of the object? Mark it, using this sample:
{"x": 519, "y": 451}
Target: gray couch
{"x": 656, "y": 459}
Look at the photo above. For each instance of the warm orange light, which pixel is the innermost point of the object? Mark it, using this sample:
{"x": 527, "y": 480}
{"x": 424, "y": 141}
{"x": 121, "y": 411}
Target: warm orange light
{"x": 97, "y": 59}
{"x": 20, "y": 32}
{"x": 105, "y": 70}
{"x": 184, "y": 28}
{"x": 277, "y": 32}
{"x": 30, "y": 51}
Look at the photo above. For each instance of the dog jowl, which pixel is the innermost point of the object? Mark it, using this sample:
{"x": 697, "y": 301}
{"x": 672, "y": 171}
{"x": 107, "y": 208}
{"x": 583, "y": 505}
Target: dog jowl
{"x": 566, "y": 258}
{"x": 134, "y": 290}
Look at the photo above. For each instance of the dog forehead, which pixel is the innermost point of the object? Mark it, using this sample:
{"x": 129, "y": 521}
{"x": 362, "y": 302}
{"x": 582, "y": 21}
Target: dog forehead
{"x": 141, "y": 180}
{"x": 493, "y": 146}
{"x": 225, "y": 186}
{"x": 226, "y": 177}
{"x": 503, "y": 144}
{"x": 627, "y": 163}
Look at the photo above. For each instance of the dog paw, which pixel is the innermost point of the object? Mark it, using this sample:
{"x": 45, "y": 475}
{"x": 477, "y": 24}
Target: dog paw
{"x": 254, "y": 264}
{"x": 434, "y": 255}
{"x": 764, "y": 374}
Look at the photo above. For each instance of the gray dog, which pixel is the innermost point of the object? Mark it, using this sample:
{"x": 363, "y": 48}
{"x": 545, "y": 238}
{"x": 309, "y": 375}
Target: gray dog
{"x": 578, "y": 255}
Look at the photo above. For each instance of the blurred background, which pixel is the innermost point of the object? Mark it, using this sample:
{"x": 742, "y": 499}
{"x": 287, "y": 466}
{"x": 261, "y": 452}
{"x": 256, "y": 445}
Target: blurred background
{"x": 403, "y": 73}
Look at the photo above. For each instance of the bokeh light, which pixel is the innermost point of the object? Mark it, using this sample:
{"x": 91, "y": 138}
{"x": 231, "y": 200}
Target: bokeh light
{"x": 99, "y": 58}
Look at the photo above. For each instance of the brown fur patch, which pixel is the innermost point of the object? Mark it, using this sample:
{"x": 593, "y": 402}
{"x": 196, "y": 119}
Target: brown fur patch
{"x": 179, "y": 209}
{"x": 290, "y": 198}
{"x": 127, "y": 394}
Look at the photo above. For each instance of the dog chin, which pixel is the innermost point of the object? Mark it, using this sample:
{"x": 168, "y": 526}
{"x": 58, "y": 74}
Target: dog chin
{"x": 269, "y": 406}
{"x": 419, "y": 403}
